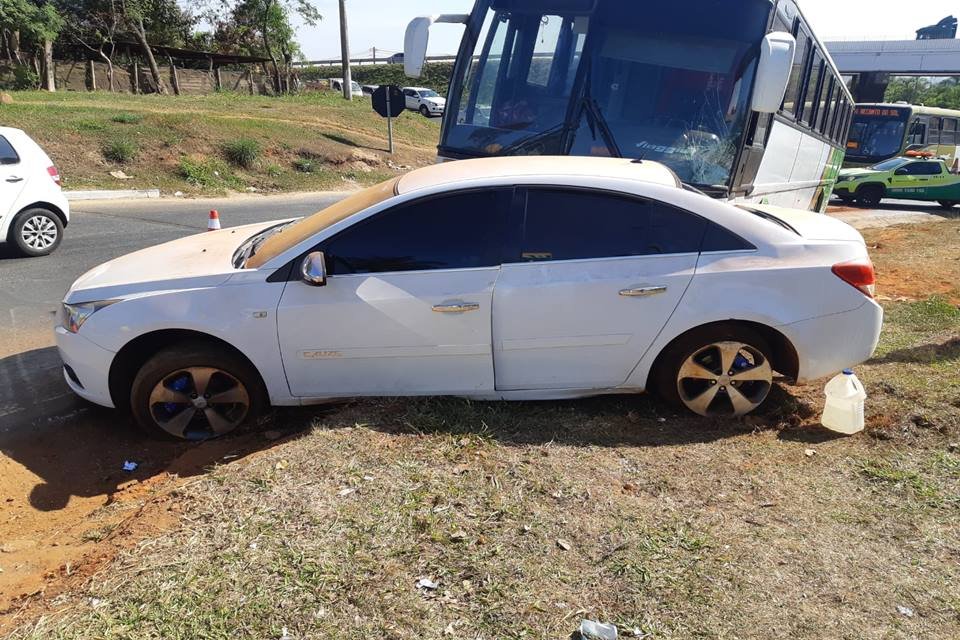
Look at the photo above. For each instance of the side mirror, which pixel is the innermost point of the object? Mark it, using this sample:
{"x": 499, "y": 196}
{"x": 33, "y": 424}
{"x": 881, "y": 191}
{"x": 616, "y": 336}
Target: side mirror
{"x": 314, "y": 269}
{"x": 773, "y": 71}
{"x": 417, "y": 38}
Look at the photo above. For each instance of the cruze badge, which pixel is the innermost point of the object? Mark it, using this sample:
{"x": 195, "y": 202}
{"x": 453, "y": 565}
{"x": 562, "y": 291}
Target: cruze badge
{"x": 320, "y": 355}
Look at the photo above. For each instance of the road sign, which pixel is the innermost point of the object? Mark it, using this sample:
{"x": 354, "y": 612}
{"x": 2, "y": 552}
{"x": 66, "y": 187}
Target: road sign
{"x": 388, "y": 101}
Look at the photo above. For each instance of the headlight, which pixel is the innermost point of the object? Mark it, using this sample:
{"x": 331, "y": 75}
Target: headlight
{"x": 74, "y": 315}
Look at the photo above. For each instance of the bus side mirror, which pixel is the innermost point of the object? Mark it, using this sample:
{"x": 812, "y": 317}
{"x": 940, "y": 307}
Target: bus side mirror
{"x": 773, "y": 71}
{"x": 418, "y": 37}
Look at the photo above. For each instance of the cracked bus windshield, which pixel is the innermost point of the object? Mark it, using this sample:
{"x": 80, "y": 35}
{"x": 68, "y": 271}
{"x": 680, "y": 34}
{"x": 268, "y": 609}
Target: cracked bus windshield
{"x": 670, "y": 84}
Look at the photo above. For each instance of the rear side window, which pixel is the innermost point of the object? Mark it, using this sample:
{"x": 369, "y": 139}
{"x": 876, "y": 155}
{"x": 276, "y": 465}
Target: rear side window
{"x": 577, "y": 225}
{"x": 719, "y": 239}
{"x": 465, "y": 230}
{"x": 8, "y": 155}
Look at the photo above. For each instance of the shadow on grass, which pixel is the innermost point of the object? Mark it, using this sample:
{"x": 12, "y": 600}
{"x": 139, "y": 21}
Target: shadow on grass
{"x": 923, "y": 354}
{"x": 77, "y": 449}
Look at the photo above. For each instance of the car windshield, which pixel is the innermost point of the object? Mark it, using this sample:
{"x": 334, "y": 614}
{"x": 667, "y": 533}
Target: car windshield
{"x": 890, "y": 165}
{"x": 290, "y": 236}
{"x": 663, "y": 81}
{"x": 428, "y": 93}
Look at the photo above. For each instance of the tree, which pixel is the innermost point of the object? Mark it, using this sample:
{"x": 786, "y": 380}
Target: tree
{"x": 260, "y": 27}
{"x": 31, "y": 25}
{"x": 93, "y": 24}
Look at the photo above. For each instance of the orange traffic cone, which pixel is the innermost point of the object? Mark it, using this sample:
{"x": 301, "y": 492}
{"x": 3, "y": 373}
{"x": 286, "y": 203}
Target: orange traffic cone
{"x": 214, "y": 223}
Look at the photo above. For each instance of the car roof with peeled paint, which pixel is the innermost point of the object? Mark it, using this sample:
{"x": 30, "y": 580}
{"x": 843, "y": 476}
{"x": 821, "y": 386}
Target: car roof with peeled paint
{"x": 519, "y": 167}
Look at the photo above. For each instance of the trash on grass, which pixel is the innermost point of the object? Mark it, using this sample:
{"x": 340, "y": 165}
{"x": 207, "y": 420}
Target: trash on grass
{"x": 130, "y": 466}
{"x": 563, "y": 544}
{"x": 905, "y": 611}
{"x": 810, "y": 453}
{"x": 345, "y": 492}
{"x": 590, "y": 630}
{"x": 427, "y": 584}
{"x": 843, "y": 412}
{"x": 285, "y": 635}
{"x": 120, "y": 175}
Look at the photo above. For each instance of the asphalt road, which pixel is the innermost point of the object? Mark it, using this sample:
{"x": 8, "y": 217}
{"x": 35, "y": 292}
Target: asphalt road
{"x": 31, "y": 387}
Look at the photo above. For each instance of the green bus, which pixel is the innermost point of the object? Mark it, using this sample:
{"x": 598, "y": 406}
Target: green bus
{"x": 879, "y": 132}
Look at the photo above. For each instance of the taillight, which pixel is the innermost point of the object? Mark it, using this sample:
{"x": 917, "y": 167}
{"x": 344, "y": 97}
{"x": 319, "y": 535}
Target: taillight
{"x": 54, "y": 175}
{"x": 858, "y": 274}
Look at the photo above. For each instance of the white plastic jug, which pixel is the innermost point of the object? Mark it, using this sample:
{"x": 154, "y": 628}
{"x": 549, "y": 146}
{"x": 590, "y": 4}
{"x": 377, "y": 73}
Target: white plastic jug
{"x": 843, "y": 412}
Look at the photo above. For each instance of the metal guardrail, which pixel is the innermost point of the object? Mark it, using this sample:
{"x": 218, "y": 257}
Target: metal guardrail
{"x": 363, "y": 61}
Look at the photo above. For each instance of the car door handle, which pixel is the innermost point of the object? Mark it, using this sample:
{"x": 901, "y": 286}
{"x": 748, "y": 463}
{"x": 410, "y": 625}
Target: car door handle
{"x": 643, "y": 292}
{"x": 457, "y": 307}
{"x": 14, "y": 179}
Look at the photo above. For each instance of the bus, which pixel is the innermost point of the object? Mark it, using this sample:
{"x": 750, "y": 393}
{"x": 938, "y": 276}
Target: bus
{"x": 738, "y": 97}
{"x": 883, "y": 131}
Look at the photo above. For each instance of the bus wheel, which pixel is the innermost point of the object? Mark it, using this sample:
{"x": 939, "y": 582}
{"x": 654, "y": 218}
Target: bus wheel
{"x": 870, "y": 195}
{"x": 948, "y": 204}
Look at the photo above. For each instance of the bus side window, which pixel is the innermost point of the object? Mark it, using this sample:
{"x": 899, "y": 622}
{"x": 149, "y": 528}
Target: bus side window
{"x": 948, "y": 132}
{"x": 933, "y": 131}
{"x": 812, "y": 94}
{"x": 792, "y": 96}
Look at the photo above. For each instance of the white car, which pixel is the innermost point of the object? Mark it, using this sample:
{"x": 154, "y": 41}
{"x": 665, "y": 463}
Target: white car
{"x": 427, "y": 101}
{"x": 33, "y": 209}
{"x": 336, "y": 84}
{"x": 514, "y": 278}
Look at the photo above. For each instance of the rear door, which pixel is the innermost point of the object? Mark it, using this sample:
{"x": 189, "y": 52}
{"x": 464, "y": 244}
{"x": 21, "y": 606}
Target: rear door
{"x": 14, "y": 175}
{"x": 599, "y": 275}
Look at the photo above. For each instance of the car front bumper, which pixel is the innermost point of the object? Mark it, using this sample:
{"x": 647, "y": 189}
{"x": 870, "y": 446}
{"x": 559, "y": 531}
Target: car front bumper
{"x": 86, "y": 367}
{"x": 830, "y": 344}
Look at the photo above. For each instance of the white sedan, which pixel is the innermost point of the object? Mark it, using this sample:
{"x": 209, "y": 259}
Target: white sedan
{"x": 502, "y": 279}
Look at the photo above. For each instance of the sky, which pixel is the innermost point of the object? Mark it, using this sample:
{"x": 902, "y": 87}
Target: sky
{"x": 381, "y": 23}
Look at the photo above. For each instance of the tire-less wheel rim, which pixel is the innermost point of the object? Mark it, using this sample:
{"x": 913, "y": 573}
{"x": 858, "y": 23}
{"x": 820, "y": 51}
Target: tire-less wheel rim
{"x": 39, "y": 233}
{"x": 725, "y": 379}
{"x": 198, "y": 403}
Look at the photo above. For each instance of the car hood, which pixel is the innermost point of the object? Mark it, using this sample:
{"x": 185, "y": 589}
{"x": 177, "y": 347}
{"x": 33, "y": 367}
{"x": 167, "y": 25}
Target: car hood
{"x": 440, "y": 102}
{"x": 201, "y": 260}
{"x": 845, "y": 173}
{"x": 810, "y": 225}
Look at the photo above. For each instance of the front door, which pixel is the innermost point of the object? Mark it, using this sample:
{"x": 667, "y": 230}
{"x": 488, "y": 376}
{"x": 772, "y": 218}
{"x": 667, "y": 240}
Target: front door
{"x": 13, "y": 177}
{"x": 918, "y": 180}
{"x": 600, "y": 276}
{"x": 407, "y": 305}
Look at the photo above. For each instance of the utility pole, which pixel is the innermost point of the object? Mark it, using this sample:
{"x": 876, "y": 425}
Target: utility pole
{"x": 345, "y": 53}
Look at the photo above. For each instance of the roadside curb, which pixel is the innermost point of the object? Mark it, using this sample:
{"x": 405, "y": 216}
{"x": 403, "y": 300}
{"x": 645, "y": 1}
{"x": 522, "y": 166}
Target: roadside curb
{"x": 122, "y": 194}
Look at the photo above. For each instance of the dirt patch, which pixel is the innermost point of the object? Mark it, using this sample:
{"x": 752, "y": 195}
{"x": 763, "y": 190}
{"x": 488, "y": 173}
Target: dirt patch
{"x": 916, "y": 261}
{"x": 68, "y": 507}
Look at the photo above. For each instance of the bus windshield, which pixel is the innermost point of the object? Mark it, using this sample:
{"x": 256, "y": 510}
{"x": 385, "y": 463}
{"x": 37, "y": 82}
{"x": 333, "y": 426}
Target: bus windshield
{"x": 877, "y": 133}
{"x": 665, "y": 81}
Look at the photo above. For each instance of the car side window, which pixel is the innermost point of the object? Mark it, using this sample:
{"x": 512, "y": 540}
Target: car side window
{"x": 921, "y": 169}
{"x": 8, "y": 155}
{"x": 464, "y": 230}
{"x": 565, "y": 224}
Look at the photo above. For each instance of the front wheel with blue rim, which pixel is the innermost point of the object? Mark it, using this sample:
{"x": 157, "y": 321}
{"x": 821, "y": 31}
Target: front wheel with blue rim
{"x": 195, "y": 392}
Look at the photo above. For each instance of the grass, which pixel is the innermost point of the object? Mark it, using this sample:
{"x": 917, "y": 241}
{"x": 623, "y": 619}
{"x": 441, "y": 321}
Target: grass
{"x": 532, "y": 516}
{"x": 74, "y": 128}
{"x": 242, "y": 152}
{"x": 121, "y": 151}
{"x": 127, "y": 118}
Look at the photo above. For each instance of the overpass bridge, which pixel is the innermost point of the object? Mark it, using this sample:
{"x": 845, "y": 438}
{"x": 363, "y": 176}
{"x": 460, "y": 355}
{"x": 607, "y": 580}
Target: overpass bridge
{"x": 873, "y": 62}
